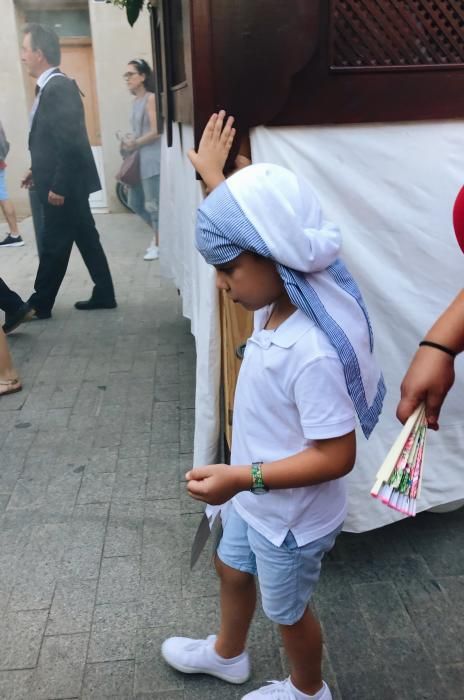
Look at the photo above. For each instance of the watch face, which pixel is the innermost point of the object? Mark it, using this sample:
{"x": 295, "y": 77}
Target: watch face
{"x": 259, "y": 490}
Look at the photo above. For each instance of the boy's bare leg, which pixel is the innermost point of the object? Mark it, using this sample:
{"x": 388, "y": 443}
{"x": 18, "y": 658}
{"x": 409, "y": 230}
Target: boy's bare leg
{"x": 238, "y": 602}
{"x": 10, "y": 215}
{"x": 303, "y": 644}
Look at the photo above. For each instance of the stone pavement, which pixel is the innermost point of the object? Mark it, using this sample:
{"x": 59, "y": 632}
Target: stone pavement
{"x": 96, "y": 528}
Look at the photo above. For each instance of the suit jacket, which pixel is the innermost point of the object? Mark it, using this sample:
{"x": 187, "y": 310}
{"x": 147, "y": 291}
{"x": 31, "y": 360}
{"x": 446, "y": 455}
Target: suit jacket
{"x": 61, "y": 156}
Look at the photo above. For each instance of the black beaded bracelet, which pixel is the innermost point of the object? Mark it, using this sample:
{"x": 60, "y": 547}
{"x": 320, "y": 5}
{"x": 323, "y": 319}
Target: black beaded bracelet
{"x": 437, "y": 346}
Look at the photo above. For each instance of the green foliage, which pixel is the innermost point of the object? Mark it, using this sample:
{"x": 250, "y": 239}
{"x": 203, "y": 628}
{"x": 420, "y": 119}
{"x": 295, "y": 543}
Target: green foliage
{"x": 132, "y": 7}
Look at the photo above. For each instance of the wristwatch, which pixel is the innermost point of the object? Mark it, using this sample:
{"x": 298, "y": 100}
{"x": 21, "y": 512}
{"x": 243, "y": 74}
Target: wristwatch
{"x": 257, "y": 483}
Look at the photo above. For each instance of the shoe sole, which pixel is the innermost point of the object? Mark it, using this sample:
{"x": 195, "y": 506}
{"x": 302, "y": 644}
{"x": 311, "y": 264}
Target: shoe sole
{"x": 208, "y": 672}
{"x": 11, "y": 245}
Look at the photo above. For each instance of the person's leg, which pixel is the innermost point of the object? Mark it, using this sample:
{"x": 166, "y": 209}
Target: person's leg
{"x": 9, "y": 380}
{"x": 10, "y": 216}
{"x": 8, "y": 210}
{"x": 238, "y": 602}
{"x": 136, "y": 202}
{"x": 303, "y": 645}
{"x": 56, "y": 248}
{"x": 151, "y": 187}
{"x": 9, "y": 300}
{"x": 93, "y": 255}
{"x": 287, "y": 576}
{"x": 224, "y": 656}
{"x": 38, "y": 219}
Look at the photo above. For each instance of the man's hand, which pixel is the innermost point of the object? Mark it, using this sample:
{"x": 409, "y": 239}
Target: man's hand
{"x": 217, "y": 483}
{"x": 429, "y": 378}
{"x": 56, "y": 200}
{"x": 27, "y": 182}
{"x": 213, "y": 150}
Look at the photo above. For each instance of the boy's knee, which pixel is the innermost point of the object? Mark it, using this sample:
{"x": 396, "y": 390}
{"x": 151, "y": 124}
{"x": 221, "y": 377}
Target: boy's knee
{"x": 232, "y": 577}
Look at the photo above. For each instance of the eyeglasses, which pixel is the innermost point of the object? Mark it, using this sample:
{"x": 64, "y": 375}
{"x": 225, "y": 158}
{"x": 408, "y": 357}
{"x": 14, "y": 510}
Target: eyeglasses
{"x": 127, "y": 75}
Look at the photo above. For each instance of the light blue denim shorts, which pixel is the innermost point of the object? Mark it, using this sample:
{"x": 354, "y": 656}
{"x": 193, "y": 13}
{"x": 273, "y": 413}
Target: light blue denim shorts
{"x": 287, "y": 575}
{"x": 3, "y": 191}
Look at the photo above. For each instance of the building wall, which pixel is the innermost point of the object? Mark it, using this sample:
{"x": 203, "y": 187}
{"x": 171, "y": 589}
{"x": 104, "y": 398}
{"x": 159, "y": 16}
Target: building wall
{"x": 114, "y": 44}
{"x": 13, "y": 106}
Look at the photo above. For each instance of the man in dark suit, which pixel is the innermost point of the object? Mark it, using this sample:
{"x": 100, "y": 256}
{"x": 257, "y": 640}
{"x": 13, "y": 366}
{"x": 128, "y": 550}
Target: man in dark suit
{"x": 63, "y": 174}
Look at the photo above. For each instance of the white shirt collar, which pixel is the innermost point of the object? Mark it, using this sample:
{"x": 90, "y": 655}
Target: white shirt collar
{"x": 42, "y": 79}
{"x": 286, "y": 334}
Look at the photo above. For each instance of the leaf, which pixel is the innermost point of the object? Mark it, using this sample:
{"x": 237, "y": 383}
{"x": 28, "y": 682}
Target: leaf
{"x": 133, "y": 9}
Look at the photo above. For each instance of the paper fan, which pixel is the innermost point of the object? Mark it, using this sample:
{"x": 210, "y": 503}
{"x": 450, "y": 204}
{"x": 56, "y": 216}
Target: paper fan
{"x": 399, "y": 478}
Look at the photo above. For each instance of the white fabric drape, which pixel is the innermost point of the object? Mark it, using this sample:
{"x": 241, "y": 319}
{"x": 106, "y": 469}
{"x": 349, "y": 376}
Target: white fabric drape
{"x": 391, "y": 189}
{"x": 180, "y": 195}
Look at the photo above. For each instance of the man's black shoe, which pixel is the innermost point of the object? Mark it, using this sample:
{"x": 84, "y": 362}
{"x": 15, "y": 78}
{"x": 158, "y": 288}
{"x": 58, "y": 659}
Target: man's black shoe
{"x": 24, "y": 312}
{"x": 95, "y": 304}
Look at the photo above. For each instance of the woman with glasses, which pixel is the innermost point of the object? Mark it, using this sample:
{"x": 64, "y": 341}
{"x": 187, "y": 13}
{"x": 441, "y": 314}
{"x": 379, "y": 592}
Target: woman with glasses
{"x": 144, "y": 197}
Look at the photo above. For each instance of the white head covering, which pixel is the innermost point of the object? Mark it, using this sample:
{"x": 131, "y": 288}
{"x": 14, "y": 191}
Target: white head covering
{"x": 268, "y": 210}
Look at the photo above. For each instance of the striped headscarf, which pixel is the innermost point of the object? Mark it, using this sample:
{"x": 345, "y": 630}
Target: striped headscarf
{"x": 267, "y": 210}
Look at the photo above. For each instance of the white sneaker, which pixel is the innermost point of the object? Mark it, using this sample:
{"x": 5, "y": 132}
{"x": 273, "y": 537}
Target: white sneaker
{"x": 152, "y": 253}
{"x": 198, "y": 656}
{"x": 283, "y": 690}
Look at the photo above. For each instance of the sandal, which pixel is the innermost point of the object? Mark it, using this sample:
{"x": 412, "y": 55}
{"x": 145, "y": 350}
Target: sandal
{"x": 13, "y": 384}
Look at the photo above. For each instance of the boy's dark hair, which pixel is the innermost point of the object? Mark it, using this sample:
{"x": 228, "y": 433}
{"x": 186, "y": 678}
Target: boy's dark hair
{"x": 142, "y": 68}
{"x": 45, "y": 39}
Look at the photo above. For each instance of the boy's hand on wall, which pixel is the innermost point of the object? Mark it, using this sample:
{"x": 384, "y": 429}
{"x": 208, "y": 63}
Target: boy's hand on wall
{"x": 216, "y": 483}
{"x": 213, "y": 149}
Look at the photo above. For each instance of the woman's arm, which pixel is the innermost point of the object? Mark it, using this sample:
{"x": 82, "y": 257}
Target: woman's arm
{"x": 324, "y": 461}
{"x": 431, "y": 373}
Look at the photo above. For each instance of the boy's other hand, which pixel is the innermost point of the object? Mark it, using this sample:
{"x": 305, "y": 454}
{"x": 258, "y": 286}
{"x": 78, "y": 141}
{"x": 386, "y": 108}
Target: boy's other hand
{"x": 216, "y": 483}
{"x": 213, "y": 150}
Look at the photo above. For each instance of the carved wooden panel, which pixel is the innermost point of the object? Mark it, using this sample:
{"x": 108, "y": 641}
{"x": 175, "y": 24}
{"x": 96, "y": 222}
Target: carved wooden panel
{"x": 294, "y": 62}
{"x": 396, "y": 34}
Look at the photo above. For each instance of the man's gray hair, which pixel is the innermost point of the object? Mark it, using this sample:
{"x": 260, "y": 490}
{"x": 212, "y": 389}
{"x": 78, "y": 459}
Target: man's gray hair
{"x": 45, "y": 39}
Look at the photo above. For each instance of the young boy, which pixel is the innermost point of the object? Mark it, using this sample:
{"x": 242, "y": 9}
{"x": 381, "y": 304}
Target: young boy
{"x": 308, "y": 369}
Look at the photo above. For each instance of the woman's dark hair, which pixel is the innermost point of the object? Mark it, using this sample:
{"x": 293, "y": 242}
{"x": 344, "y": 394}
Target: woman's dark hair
{"x": 45, "y": 39}
{"x": 144, "y": 69}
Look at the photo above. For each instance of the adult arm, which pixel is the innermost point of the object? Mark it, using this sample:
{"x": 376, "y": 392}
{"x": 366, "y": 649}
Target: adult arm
{"x": 431, "y": 373}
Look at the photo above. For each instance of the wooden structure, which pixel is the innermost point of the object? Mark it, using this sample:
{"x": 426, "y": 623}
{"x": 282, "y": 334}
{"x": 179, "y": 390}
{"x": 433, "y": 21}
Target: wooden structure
{"x": 310, "y": 61}
{"x": 304, "y": 62}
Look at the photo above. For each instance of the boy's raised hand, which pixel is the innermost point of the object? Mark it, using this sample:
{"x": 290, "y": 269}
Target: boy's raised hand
{"x": 216, "y": 483}
{"x": 213, "y": 149}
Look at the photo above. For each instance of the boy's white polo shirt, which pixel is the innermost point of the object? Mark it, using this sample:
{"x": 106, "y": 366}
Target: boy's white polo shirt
{"x": 290, "y": 391}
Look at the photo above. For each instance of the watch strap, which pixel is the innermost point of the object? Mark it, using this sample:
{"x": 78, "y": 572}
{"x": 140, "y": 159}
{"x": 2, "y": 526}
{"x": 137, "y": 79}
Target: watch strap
{"x": 257, "y": 481}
